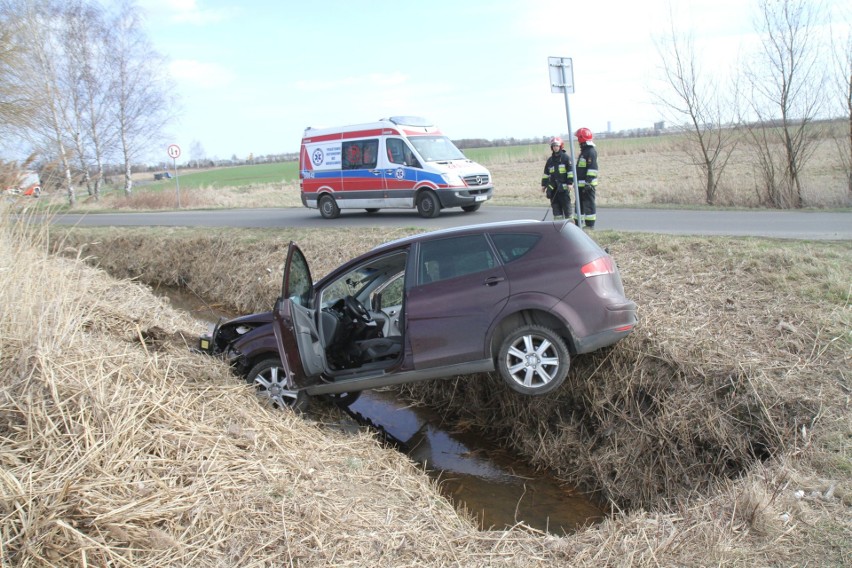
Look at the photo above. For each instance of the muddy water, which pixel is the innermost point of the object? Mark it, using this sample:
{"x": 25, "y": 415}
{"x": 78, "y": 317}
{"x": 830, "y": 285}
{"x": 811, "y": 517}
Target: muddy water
{"x": 473, "y": 473}
{"x": 478, "y": 476}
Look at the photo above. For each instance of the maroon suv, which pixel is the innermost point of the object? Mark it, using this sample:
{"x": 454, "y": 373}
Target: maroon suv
{"x": 519, "y": 297}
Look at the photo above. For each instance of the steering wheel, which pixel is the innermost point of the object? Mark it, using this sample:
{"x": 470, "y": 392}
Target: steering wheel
{"x": 357, "y": 310}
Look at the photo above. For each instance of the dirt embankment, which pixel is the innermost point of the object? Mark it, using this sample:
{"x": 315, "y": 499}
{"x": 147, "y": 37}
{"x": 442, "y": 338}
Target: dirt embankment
{"x": 729, "y": 400}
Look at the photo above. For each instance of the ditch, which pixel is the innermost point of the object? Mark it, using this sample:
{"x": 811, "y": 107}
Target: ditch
{"x": 475, "y": 474}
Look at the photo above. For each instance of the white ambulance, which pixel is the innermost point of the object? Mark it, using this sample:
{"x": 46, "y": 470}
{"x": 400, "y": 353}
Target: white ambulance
{"x": 397, "y": 162}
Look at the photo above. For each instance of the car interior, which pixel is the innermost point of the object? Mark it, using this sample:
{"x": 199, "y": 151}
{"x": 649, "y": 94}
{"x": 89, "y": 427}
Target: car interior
{"x": 353, "y": 335}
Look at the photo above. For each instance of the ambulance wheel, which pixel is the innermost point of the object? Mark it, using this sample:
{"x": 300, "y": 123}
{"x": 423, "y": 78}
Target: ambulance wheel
{"x": 471, "y": 208}
{"x": 328, "y": 207}
{"x": 428, "y": 205}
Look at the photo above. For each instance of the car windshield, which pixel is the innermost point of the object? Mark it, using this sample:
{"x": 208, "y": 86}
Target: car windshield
{"x": 364, "y": 279}
{"x": 350, "y": 284}
{"x": 436, "y": 148}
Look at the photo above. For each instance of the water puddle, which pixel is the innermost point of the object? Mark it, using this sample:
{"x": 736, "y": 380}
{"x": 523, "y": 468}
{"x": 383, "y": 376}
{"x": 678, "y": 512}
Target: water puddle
{"x": 192, "y": 304}
{"x": 474, "y": 474}
{"x": 480, "y": 477}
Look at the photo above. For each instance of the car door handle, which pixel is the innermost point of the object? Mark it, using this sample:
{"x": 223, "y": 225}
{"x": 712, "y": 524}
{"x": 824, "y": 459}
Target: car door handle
{"x": 494, "y": 280}
{"x": 376, "y": 172}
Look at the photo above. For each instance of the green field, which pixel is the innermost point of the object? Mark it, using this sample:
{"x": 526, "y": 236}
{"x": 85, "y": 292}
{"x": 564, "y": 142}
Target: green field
{"x": 237, "y": 176}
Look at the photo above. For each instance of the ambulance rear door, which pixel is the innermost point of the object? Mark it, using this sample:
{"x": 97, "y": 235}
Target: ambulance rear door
{"x": 320, "y": 165}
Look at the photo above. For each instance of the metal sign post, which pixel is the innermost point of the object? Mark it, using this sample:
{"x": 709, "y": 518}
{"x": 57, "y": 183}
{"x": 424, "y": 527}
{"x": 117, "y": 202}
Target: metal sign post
{"x": 562, "y": 81}
{"x": 174, "y": 152}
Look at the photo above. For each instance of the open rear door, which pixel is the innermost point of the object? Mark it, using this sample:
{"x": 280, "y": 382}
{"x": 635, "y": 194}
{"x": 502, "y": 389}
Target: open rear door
{"x": 294, "y": 317}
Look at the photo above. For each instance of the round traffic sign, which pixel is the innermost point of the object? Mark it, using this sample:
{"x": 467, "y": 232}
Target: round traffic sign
{"x": 174, "y": 151}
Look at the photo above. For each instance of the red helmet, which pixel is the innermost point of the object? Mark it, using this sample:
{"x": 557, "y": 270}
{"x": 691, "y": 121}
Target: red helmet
{"x": 557, "y": 141}
{"x": 584, "y": 135}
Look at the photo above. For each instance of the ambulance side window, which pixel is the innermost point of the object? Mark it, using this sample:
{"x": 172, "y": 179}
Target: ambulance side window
{"x": 395, "y": 150}
{"x": 399, "y": 153}
{"x": 359, "y": 154}
{"x": 370, "y": 153}
{"x": 351, "y": 155}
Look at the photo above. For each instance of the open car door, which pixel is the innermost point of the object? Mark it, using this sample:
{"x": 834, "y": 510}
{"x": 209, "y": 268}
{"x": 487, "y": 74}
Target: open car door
{"x": 294, "y": 323}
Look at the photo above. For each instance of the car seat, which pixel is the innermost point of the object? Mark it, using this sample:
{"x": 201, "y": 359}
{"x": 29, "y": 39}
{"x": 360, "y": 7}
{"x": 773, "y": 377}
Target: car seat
{"x": 381, "y": 348}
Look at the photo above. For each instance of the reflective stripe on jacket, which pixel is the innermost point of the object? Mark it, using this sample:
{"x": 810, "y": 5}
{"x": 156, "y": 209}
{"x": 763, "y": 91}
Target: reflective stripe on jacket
{"x": 558, "y": 171}
{"x": 587, "y": 165}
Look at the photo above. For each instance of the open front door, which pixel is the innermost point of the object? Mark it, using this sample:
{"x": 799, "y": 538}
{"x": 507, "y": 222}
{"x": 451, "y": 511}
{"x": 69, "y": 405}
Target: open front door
{"x": 294, "y": 317}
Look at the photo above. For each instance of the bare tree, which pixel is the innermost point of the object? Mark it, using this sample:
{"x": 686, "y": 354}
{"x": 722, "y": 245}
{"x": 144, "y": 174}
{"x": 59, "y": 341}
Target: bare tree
{"x": 695, "y": 102}
{"x": 786, "y": 97}
{"x": 141, "y": 88}
{"x": 85, "y": 36}
{"x": 843, "y": 84}
{"x": 196, "y": 151}
{"x": 16, "y": 109}
{"x": 37, "y": 29}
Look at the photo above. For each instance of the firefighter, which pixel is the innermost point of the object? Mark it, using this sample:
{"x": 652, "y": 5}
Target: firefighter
{"x": 587, "y": 176}
{"x": 558, "y": 180}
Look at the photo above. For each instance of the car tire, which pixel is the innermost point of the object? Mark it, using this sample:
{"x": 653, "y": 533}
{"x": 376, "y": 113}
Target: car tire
{"x": 471, "y": 208}
{"x": 328, "y": 207}
{"x": 268, "y": 378}
{"x": 428, "y": 205}
{"x": 534, "y": 360}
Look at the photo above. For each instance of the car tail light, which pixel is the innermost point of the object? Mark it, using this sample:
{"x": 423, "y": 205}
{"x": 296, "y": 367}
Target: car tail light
{"x": 599, "y": 266}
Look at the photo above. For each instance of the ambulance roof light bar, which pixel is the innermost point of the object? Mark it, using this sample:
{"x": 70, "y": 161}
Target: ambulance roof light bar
{"x": 410, "y": 121}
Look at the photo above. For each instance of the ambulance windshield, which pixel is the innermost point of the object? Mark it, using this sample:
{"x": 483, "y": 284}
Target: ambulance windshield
{"x": 436, "y": 148}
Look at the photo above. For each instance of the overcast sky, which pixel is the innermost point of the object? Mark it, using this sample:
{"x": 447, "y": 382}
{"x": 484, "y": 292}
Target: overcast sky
{"x": 250, "y": 76}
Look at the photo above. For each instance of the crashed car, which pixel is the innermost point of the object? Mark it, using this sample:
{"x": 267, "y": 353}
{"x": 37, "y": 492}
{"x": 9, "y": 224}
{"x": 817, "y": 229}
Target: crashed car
{"x": 520, "y": 298}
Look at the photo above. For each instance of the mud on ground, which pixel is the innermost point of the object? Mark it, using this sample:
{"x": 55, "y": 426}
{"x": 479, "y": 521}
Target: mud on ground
{"x": 729, "y": 403}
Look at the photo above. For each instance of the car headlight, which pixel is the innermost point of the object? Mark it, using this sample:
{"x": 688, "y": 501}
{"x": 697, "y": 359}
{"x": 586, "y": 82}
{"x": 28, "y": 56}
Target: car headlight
{"x": 452, "y": 179}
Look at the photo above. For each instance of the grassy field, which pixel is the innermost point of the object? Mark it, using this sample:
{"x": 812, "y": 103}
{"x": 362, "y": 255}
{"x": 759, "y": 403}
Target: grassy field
{"x": 236, "y": 176}
{"x": 636, "y": 172}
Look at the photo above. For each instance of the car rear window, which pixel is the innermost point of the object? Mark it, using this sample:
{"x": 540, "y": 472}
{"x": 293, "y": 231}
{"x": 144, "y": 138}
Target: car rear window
{"x": 513, "y": 246}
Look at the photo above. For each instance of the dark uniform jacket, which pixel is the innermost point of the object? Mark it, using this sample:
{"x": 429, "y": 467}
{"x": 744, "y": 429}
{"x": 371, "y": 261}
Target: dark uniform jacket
{"x": 557, "y": 172}
{"x": 587, "y": 166}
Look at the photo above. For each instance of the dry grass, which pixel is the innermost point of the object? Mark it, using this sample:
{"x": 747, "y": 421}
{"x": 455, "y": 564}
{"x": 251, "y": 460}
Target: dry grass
{"x": 261, "y": 195}
{"x": 741, "y": 350}
{"x": 731, "y": 397}
{"x": 118, "y": 447}
{"x": 659, "y": 172}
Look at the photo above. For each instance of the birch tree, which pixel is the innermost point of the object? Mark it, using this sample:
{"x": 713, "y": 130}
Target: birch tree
{"x": 37, "y": 30}
{"x": 142, "y": 101}
{"x": 85, "y": 39}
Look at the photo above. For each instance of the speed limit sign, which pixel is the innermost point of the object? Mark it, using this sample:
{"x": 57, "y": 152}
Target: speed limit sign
{"x": 174, "y": 151}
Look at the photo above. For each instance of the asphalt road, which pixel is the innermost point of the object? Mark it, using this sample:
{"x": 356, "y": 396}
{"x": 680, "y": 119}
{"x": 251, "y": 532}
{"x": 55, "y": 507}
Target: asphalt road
{"x": 763, "y": 223}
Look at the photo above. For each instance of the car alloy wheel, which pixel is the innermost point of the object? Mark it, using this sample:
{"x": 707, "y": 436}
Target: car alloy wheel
{"x": 269, "y": 378}
{"x": 534, "y": 360}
